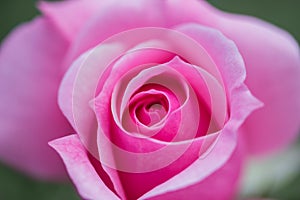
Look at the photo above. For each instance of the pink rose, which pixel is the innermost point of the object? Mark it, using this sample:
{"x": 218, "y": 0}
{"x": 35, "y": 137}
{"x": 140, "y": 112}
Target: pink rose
{"x": 154, "y": 91}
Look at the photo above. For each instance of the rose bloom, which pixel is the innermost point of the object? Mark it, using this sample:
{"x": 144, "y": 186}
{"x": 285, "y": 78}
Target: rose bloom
{"x": 146, "y": 99}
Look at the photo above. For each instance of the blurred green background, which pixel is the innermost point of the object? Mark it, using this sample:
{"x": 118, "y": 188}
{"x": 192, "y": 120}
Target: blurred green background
{"x": 15, "y": 186}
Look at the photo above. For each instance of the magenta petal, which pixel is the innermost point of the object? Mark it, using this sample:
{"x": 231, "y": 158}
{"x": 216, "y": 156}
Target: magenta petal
{"x": 30, "y": 73}
{"x": 217, "y": 157}
{"x": 226, "y": 186}
{"x": 241, "y": 102}
{"x": 82, "y": 172}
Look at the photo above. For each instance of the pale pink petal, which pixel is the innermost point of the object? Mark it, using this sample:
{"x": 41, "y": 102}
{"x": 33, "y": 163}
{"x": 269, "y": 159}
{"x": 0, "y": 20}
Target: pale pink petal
{"x": 78, "y": 88}
{"x": 30, "y": 73}
{"x": 273, "y": 71}
{"x": 65, "y": 92}
{"x": 223, "y": 52}
{"x": 70, "y": 16}
{"x": 82, "y": 172}
{"x": 113, "y": 18}
{"x": 93, "y": 15}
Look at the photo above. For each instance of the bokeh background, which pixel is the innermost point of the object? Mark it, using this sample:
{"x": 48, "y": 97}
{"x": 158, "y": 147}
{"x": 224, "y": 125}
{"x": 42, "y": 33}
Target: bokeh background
{"x": 277, "y": 177}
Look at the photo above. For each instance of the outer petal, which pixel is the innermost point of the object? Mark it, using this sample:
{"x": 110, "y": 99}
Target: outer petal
{"x": 226, "y": 186}
{"x": 82, "y": 172}
{"x": 70, "y": 16}
{"x": 112, "y": 18}
{"x": 30, "y": 74}
{"x": 273, "y": 71}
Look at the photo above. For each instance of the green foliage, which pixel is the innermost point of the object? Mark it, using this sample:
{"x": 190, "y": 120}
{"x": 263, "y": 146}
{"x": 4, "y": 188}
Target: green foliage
{"x": 16, "y": 186}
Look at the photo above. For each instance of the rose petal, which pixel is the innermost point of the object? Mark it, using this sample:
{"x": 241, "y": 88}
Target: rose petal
{"x": 272, "y": 59}
{"x": 143, "y": 13}
{"x": 76, "y": 92}
{"x": 223, "y": 52}
{"x": 210, "y": 92}
{"x": 82, "y": 172}
{"x": 226, "y": 186}
{"x": 171, "y": 79}
{"x": 114, "y": 24}
{"x": 30, "y": 73}
{"x": 70, "y": 16}
{"x": 110, "y": 153}
{"x": 131, "y": 182}
{"x": 243, "y": 103}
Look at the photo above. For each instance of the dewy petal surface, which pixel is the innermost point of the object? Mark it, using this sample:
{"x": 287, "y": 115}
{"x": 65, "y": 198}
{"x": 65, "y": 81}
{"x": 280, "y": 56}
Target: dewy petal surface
{"x": 30, "y": 74}
{"x": 82, "y": 172}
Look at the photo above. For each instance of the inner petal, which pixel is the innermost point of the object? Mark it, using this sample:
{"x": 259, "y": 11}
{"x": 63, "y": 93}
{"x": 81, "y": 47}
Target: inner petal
{"x": 156, "y": 113}
{"x": 148, "y": 108}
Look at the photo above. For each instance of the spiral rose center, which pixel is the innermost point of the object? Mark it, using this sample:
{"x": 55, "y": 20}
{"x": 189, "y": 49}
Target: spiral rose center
{"x": 149, "y": 107}
{"x": 151, "y": 114}
{"x": 156, "y": 113}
